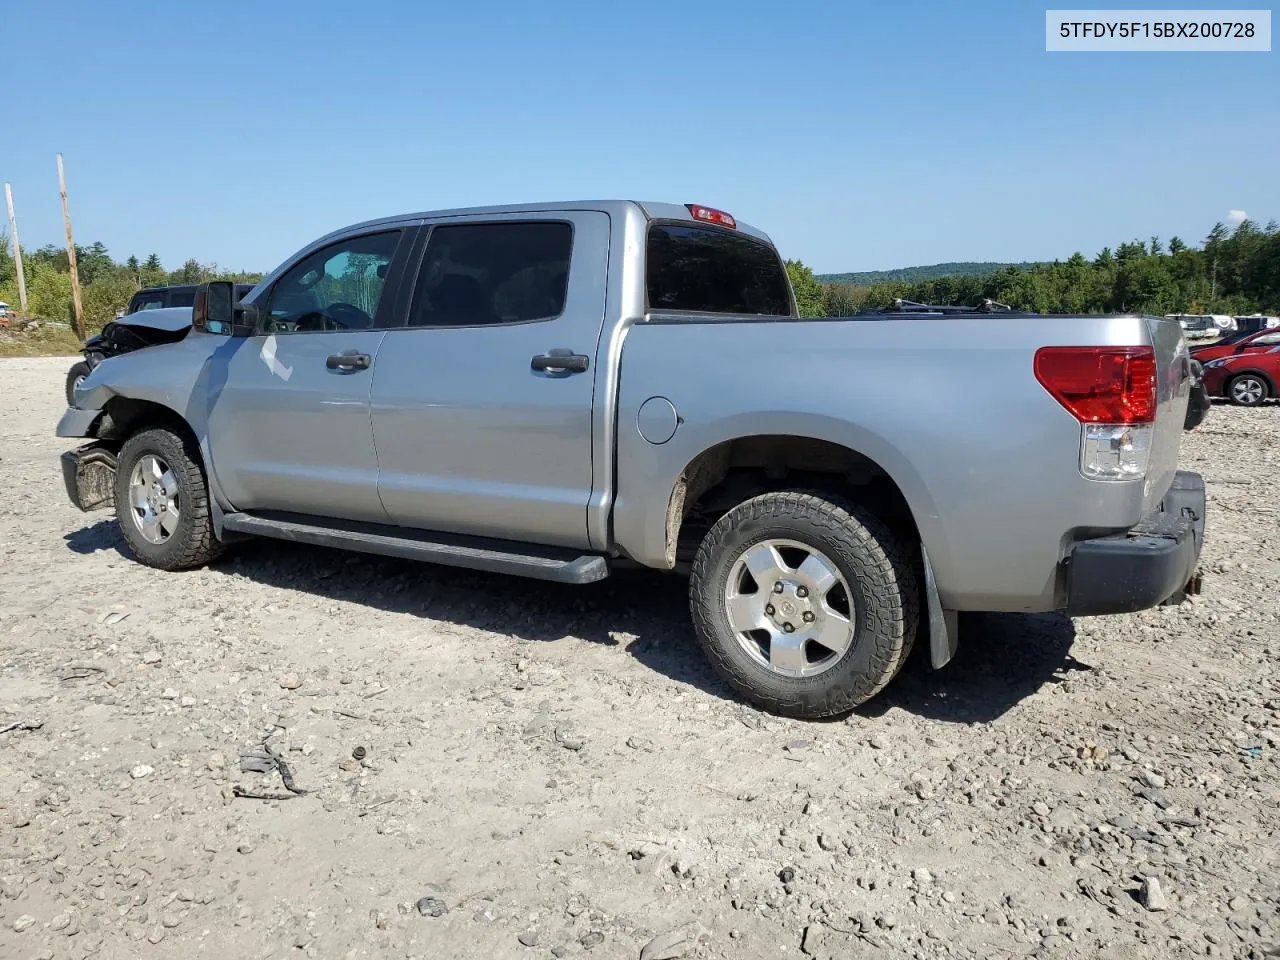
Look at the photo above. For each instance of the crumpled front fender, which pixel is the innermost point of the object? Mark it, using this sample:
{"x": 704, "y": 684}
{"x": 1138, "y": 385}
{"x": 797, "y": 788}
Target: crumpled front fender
{"x": 78, "y": 423}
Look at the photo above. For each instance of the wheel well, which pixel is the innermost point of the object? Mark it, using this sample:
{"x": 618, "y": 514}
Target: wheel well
{"x": 127, "y": 416}
{"x": 719, "y": 479}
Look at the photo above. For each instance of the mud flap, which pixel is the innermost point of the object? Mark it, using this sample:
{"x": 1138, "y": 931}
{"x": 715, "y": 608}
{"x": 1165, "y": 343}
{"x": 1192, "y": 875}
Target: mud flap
{"x": 89, "y": 475}
{"x": 943, "y": 624}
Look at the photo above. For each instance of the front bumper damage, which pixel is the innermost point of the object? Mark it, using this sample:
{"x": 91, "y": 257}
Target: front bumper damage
{"x": 1154, "y": 563}
{"x": 89, "y": 474}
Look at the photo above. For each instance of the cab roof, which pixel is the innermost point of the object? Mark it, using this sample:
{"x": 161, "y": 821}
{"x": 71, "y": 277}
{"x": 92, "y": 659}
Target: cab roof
{"x": 652, "y": 210}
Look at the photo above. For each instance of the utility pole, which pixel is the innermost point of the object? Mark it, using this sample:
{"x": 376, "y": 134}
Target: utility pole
{"x": 71, "y": 253}
{"x": 17, "y": 249}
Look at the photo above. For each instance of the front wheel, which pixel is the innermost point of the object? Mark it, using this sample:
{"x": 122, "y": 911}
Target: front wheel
{"x": 1247, "y": 390}
{"x": 162, "y": 502}
{"x": 77, "y": 373}
{"x": 804, "y": 603}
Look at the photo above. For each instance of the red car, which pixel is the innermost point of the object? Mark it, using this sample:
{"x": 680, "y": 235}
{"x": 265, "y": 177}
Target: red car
{"x": 1235, "y": 343}
{"x": 1245, "y": 378}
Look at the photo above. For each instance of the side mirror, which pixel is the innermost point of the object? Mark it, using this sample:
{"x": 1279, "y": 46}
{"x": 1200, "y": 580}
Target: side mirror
{"x": 215, "y": 311}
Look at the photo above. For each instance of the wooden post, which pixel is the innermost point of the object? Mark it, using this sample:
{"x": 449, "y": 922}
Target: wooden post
{"x": 17, "y": 249}
{"x": 71, "y": 253}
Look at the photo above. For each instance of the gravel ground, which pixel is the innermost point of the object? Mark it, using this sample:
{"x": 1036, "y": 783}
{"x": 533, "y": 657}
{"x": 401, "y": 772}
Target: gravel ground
{"x": 555, "y": 772}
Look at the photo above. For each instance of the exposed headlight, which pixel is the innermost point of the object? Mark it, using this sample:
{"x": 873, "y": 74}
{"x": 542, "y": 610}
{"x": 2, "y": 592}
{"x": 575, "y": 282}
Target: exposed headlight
{"x": 1216, "y": 363}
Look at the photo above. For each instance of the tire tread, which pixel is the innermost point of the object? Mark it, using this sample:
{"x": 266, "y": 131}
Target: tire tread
{"x": 889, "y": 595}
{"x": 198, "y": 544}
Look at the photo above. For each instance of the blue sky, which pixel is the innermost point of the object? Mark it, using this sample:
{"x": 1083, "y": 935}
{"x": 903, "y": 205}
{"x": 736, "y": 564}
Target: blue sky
{"x": 859, "y": 135}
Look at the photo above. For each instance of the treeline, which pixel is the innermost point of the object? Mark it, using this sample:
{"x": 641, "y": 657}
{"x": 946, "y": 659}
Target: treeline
{"x": 105, "y": 284}
{"x": 917, "y": 274}
{"x": 1233, "y": 272}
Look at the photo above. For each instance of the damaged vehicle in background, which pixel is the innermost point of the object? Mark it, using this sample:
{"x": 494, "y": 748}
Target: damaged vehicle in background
{"x": 155, "y": 315}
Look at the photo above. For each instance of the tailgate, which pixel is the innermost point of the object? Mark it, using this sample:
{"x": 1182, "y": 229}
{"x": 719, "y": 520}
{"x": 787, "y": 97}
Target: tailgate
{"x": 1173, "y": 386}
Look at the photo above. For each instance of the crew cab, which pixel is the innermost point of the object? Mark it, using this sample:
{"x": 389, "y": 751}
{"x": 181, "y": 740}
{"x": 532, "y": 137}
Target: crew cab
{"x": 557, "y": 390}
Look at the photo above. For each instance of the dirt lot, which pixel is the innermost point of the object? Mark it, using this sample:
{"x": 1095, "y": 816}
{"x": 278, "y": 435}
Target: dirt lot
{"x": 554, "y": 772}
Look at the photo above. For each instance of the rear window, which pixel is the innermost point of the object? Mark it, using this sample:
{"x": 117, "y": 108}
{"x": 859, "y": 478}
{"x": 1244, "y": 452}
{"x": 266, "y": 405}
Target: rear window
{"x": 148, "y": 302}
{"x": 712, "y": 270}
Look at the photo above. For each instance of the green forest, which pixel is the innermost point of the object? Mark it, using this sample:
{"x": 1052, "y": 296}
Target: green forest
{"x": 105, "y": 284}
{"x": 1233, "y": 272}
{"x": 933, "y": 271}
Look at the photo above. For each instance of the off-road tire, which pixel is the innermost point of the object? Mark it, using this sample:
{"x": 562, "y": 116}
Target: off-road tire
{"x": 78, "y": 371}
{"x": 873, "y": 561}
{"x": 193, "y": 543}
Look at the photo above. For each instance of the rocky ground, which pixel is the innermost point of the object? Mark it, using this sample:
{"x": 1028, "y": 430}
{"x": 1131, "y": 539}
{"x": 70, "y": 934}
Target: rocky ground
{"x": 500, "y": 768}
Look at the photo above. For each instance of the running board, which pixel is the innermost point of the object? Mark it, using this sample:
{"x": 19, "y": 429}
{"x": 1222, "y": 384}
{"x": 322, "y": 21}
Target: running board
{"x": 492, "y": 556}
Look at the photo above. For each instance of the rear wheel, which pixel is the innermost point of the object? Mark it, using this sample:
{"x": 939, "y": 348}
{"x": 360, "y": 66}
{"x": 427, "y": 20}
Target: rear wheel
{"x": 162, "y": 502}
{"x": 1247, "y": 390}
{"x": 804, "y": 603}
{"x": 77, "y": 373}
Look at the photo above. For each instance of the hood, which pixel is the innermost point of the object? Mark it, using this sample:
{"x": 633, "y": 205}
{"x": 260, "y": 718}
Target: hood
{"x": 172, "y": 319}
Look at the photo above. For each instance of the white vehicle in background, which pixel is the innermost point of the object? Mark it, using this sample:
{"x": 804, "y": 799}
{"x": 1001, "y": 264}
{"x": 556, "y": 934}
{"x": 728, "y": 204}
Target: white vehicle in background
{"x": 1204, "y": 324}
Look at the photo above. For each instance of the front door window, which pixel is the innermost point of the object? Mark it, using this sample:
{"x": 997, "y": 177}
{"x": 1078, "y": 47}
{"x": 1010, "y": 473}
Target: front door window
{"x": 336, "y": 288}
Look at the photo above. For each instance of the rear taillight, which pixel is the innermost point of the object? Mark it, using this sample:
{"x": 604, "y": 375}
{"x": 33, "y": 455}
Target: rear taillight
{"x": 1101, "y": 384}
{"x": 1112, "y": 392}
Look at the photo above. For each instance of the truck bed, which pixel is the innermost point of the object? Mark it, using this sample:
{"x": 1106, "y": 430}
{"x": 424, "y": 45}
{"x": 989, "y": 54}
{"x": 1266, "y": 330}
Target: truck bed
{"x": 948, "y": 406}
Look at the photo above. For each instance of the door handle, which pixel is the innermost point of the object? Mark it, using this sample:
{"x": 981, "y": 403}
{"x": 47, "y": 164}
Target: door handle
{"x": 349, "y": 361}
{"x": 557, "y": 362}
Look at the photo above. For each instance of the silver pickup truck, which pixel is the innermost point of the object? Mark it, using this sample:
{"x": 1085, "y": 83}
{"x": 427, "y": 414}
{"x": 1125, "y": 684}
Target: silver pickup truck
{"x": 555, "y": 390}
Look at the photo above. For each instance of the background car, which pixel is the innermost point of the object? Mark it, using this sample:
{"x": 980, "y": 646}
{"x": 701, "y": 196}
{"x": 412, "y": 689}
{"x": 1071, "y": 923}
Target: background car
{"x": 1257, "y": 341}
{"x": 177, "y": 295}
{"x": 1257, "y": 321}
{"x": 1203, "y": 324}
{"x": 1245, "y": 379}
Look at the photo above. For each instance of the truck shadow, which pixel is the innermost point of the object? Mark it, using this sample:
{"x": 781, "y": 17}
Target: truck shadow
{"x": 103, "y": 535}
{"x": 1001, "y": 659}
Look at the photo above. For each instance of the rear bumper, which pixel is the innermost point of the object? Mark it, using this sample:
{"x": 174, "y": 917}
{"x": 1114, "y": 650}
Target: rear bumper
{"x": 1151, "y": 564}
{"x": 89, "y": 476}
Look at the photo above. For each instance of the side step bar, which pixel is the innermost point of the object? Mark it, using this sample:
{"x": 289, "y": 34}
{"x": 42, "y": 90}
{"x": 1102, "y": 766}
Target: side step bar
{"x": 492, "y": 556}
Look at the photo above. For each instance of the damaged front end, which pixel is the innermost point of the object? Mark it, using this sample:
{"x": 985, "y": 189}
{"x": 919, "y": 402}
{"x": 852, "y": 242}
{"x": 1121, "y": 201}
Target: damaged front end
{"x": 137, "y": 331}
{"x": 90, "y": 476}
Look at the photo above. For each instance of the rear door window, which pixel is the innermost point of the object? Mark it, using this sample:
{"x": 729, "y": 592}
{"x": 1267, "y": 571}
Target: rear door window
{"x": 713, "y": 270}
{"x": 477, "y": 274}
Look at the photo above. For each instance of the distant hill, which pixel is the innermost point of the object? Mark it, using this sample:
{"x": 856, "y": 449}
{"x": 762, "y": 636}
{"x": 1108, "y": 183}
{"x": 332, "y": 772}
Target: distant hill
{"x": 917, "y": 274}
